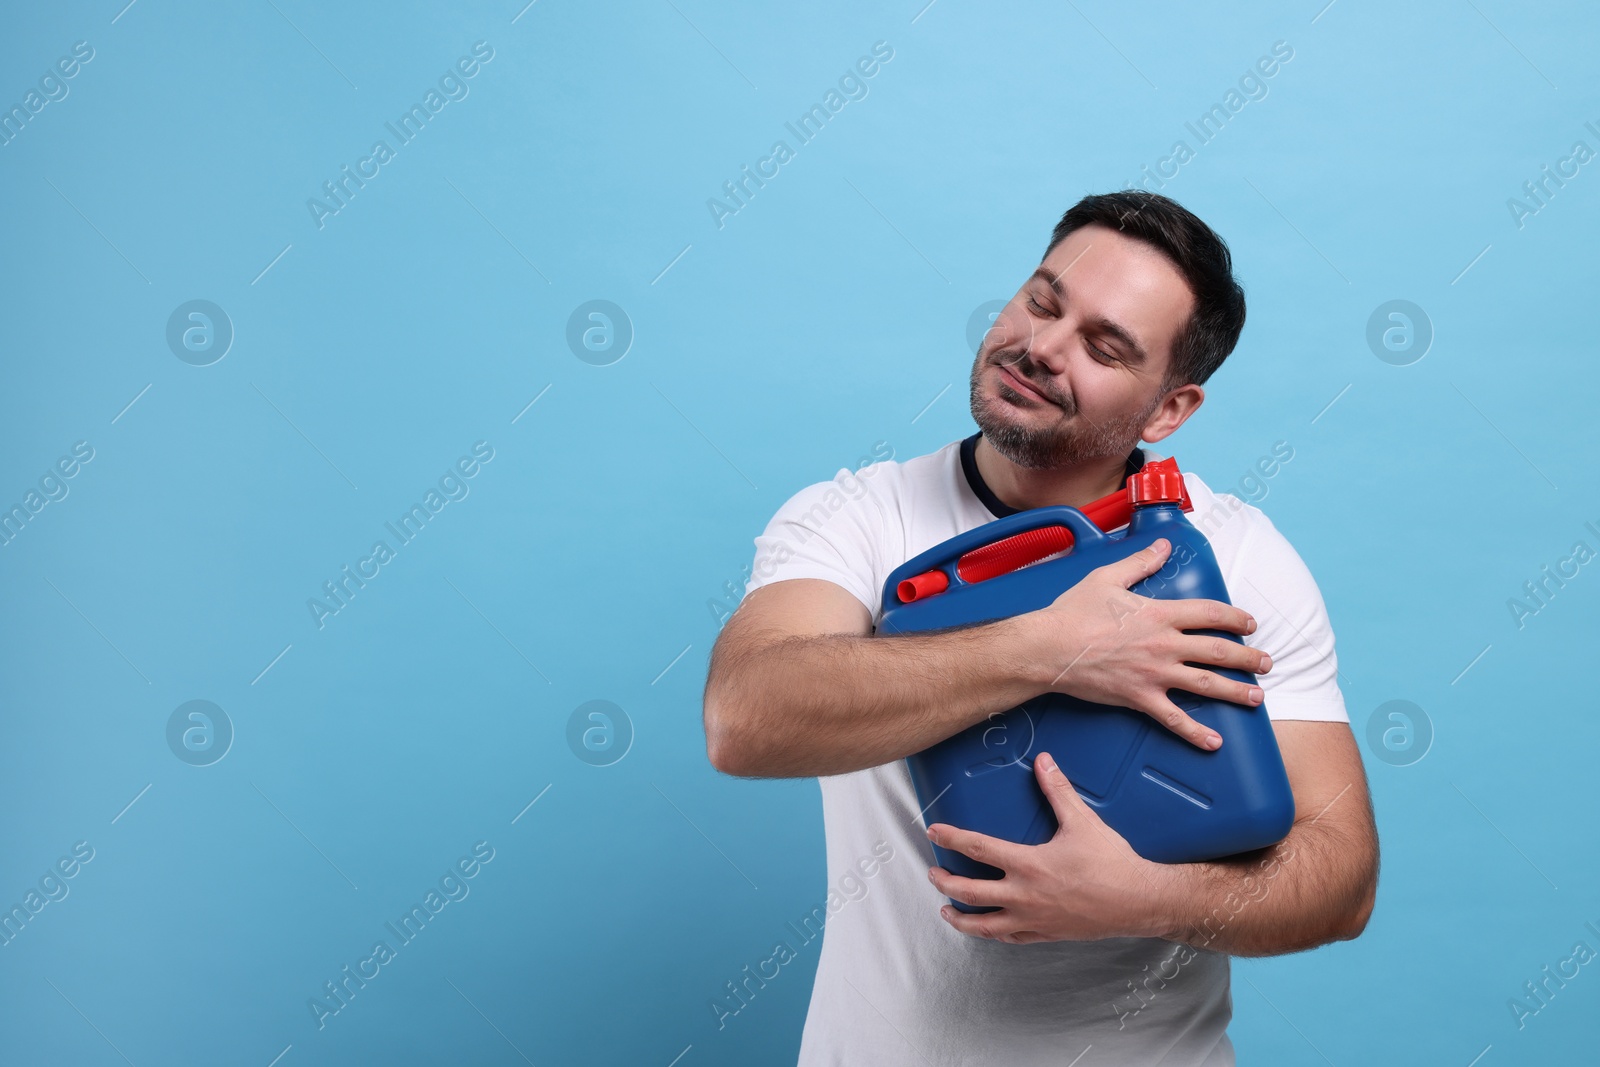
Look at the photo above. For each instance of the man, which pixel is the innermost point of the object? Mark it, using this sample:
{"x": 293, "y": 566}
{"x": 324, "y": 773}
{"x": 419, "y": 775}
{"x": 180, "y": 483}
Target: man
{"x": 1094, "y": 951}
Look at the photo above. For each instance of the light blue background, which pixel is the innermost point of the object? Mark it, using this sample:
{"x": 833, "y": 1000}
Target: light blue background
{"x": 821, "y": 319}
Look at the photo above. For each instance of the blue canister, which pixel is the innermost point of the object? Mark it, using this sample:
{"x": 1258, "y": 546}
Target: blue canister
{"x": 1171, "y": 801}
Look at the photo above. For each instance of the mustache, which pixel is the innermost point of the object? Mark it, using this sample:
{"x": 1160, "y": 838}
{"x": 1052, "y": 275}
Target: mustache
{"x": 1017, "y": 360}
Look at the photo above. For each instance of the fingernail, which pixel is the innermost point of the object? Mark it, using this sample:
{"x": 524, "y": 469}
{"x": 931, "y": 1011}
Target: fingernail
{"x": 1255, "y": 695}
{"x": 930, "y": 874}
{"x": 1251, "y": 628}
{"x": 1045, "y": 760}
{"x": 930, "y": 833}
{"x": 1266, "y": 662}
{"x": 1213, "y": 741}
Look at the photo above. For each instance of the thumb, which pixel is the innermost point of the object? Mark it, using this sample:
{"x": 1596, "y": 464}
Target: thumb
{"x": 1064, "y": 800}
{"x": 1141, "y": 565}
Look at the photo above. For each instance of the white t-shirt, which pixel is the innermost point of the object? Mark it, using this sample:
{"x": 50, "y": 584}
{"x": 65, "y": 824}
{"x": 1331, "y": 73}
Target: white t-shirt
{"x": 895, "y": 983}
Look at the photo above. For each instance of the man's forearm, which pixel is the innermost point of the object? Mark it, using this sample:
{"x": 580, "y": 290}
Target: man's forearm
{"x": 827, "y": 704}
{"x": 1315, "y": 886}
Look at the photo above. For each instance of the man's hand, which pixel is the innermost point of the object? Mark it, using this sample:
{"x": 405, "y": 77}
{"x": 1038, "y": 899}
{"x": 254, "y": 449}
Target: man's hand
{"x": 1084, "y": 884}
{"x": 1127, "y": 650}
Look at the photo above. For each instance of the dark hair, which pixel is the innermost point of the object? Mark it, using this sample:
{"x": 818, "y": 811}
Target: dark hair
{"x": 1196, "y": 250}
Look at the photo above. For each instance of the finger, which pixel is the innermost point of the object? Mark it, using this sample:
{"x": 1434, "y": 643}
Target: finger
{"x": 1174, "y": 718}
{"x": 1213, "y": 686}
{"x": 1221, "y": 652}
{"x": 994, "y": 925}
{"x": 1026, "y": 937}
{"x": 1139, "y": 566}
{"x": 978, "y": 892}
{"x": 1064, "y": 800}
{"x": 981, "y": 847}
{"x": 1201, "y": 614}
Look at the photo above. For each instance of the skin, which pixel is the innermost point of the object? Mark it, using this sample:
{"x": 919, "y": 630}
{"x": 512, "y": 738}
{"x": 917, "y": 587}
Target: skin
{"x": 1071, "y": 377}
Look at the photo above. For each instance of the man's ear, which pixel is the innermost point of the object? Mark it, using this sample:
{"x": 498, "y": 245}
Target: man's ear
{"x": 1173, "y": 411}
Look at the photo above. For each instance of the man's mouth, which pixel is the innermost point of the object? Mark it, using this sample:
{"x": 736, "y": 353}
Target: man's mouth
{"x": 1021, "y": 385}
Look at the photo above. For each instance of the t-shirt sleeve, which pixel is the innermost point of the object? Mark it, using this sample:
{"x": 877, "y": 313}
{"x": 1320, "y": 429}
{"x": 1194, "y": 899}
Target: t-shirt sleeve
{"x": 832, "y": 530}
{"x": 1274, "y": 585}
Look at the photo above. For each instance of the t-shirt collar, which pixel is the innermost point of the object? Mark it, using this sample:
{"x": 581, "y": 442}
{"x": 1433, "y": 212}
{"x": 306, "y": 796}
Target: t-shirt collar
{"x": 999, "y": 509}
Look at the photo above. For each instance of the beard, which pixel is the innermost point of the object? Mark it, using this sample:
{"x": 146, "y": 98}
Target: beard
{"x": 1071, "y": 440}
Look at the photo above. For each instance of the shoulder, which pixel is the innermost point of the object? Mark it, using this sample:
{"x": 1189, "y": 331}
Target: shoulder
{"x": 1262, "y": 570}
{"x": 1266, "y": 576}
{"x": 879, "y": 487}
{"x": 1223, "y": 517}
{"x": 849, "y": 529}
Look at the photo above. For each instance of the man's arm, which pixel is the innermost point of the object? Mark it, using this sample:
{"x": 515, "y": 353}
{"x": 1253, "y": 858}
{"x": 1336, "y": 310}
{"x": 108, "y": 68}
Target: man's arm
{"x": 1317, "y": 885}
{"x": 797, "y": 687}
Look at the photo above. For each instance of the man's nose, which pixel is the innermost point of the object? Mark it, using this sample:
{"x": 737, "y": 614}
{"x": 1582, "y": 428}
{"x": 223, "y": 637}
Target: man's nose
{"x": 1050, "y": 349}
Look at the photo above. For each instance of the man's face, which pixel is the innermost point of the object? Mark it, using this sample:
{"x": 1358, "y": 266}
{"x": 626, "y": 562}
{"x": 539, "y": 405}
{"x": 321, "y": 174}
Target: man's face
{"x": 1072, "y": 371}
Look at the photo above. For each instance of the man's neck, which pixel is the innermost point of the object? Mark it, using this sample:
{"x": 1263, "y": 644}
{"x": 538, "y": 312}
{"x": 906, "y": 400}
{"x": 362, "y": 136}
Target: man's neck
{"x": 1024, "y": 488}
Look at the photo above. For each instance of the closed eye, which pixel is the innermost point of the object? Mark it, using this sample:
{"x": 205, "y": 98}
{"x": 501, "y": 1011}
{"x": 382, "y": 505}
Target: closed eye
{"x": 1103, "y": 356}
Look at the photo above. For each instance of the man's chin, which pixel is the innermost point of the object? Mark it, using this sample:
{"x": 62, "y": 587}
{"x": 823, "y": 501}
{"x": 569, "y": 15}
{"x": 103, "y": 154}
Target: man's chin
{"x": 1033, "y": 449}
{"x": 1024, "y": 417}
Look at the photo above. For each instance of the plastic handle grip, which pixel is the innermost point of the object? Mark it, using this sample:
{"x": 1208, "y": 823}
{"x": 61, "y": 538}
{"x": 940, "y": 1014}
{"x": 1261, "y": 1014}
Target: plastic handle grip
{"x": 1002, "y": 557}
{"x": 1016, "y": 551}
{"x": 919, "y": 581}
{"x": 1026, "y": 537}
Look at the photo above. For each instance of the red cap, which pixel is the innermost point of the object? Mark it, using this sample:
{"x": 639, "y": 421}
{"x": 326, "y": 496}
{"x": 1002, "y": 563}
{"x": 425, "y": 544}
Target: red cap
{"x": 1156, "y": 483}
